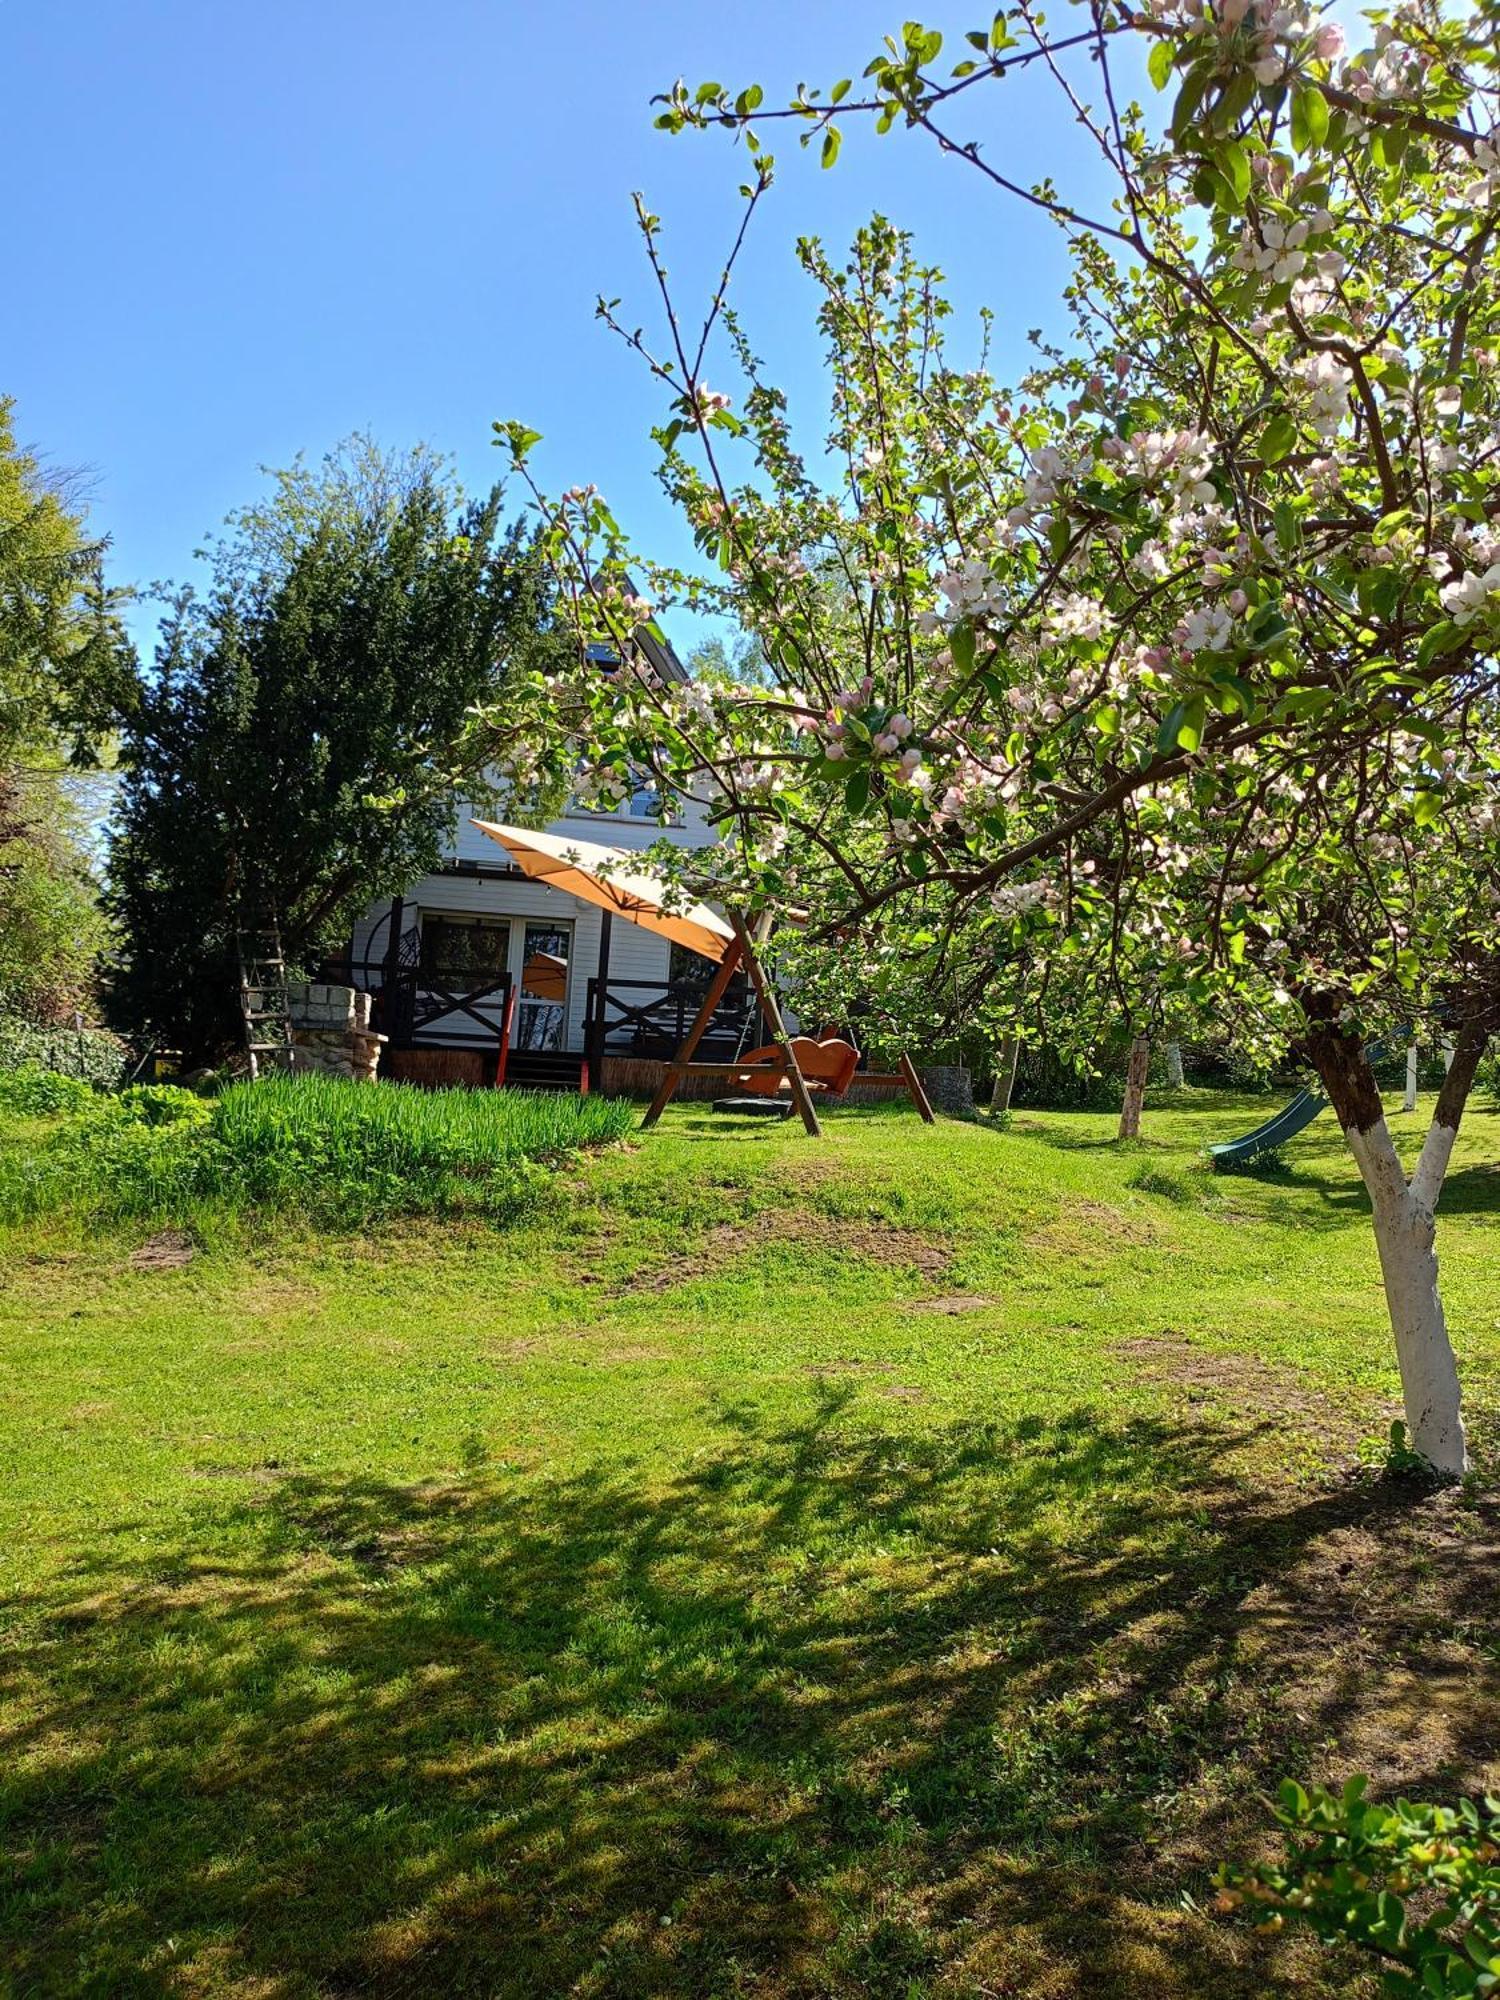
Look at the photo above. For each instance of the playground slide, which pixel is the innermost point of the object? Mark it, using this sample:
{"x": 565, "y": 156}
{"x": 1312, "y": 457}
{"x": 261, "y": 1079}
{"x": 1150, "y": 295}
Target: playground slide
{"x": 1288, "y": 1122}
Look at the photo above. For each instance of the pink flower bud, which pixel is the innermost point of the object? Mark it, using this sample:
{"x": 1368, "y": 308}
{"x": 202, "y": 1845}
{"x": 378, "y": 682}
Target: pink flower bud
{"x": 1237, "y": 601}
{"x": 1330, "y": 41}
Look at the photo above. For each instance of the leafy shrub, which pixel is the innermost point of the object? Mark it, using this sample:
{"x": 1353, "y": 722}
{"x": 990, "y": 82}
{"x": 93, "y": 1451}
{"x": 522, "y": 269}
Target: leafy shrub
{"x": 1353, "y": 1870}
{"x": 1161, "y": 1180}
{"x": 40, "y": 1093}
{"x": 338, "y": 1153}
{"x": 164, "y": 1104}
{"x": 1269, "y": 1165}
{"x": 86, "y": 1053}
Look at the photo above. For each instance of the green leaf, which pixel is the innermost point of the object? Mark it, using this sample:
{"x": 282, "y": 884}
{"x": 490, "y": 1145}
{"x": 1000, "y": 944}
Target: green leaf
{"x": 1190, "y": 97}
{"x": 1309, "y": 118}
{"x": 1233, "y": 161}
{"x": 1159, "y": 63}
{"x": 1278, "y": 439}
{"x": 840, "y": 90}
{"x": 832, "y": 140}
{"x": 749, "y": 99}
{"x": 519, "y": 439}
{"x": 1444, "y": 637}
{"x": 857, "y": 789}
{"x": 961, "y": 643}
{"x": 1190, "y": 729}
{"x": 1426, "y": 807}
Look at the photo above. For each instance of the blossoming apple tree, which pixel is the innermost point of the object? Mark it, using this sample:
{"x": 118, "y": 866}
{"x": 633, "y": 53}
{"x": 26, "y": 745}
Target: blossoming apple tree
{"x": 1153, "y": 648}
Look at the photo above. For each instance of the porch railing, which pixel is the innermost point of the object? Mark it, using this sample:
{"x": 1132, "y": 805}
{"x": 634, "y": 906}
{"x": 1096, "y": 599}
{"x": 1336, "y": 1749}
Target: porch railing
{"x": 417, "y": 1008}
{"x": 648, "y": 1019}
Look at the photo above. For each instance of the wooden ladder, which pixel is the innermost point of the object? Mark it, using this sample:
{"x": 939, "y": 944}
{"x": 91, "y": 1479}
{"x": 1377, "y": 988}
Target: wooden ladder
{"x": 264, "y": 1005}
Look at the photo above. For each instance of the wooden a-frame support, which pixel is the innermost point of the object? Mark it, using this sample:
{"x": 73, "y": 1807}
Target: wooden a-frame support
{"x": 742, "y": 952}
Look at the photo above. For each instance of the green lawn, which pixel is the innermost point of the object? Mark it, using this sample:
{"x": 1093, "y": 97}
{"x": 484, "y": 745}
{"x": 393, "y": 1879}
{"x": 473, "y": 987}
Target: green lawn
{"x": 887, "y": 1567}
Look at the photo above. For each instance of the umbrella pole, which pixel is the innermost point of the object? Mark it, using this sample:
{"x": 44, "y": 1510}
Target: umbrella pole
{"x": 772, "y": 1011}
{"x": 718, "y": 986}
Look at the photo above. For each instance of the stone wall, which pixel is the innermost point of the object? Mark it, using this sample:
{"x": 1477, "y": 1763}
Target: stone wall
{"x": 331, "y": 1033}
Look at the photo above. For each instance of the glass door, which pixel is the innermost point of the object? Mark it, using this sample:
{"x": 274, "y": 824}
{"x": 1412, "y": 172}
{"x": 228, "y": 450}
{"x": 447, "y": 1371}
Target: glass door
{"x": 542, "y": 988}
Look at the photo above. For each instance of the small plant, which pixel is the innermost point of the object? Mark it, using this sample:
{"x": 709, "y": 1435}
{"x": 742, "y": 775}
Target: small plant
{"x": 1269, "y": 1165}
{"x": 164, "y": 1104}
{"x": 1353, "y": 1871}
{"x": 1394, "y": 1456}
{"x": 1162, "y": 1181}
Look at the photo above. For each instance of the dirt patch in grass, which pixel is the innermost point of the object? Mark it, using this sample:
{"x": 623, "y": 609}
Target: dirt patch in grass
{"x": 1094, "y": 1230}
{"x": 881, "y": 1244}
{"x": 1383, "y": 1635}
{"x": 831, "y": 1370}
{"x": 1243, "y": 1386}
{"x": 953, "y": 1302}
{"x": 170, "y": 1250}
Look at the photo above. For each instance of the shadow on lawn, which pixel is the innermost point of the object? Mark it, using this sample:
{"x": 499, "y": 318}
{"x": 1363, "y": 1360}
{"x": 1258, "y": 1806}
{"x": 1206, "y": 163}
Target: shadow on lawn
{"x": 831, "y": 1712}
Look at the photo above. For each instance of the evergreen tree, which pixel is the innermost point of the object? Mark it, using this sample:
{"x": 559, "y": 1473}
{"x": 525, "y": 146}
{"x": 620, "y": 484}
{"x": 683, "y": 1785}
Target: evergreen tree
{"x": 297, "y": 746}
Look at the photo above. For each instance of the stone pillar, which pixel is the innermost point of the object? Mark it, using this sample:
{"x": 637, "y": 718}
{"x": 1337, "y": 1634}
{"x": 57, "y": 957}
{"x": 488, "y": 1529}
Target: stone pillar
{"x": 331, "y": 1034}
{"x": 1174, "y": 1066}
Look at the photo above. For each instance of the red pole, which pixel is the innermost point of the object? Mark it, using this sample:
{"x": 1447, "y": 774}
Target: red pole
{"x": 510, "y": 1009}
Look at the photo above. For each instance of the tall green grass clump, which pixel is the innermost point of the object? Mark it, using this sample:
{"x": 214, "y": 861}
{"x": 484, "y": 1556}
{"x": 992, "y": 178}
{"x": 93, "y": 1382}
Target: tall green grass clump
{"x": 337, "y": 1153}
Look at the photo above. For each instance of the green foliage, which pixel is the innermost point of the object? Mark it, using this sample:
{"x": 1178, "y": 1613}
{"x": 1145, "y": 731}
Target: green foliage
{"x": 163, "y": 1104}
{"x": 339, "y": 1153}
{"x": 66, "y": 670}
{"x": 97, "y": 1057}
{"x": 52, "y": 929}
{"x": 1416, "y": 1886}
{"x": 298, "y": 744}
{"x": 35, "y": 1092}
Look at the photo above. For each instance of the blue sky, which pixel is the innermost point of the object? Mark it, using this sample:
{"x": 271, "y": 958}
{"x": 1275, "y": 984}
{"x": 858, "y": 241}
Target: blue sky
{"x": 244, "y": 231}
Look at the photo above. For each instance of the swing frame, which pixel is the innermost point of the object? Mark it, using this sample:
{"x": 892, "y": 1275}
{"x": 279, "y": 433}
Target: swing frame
{"x": 741, "y": 952}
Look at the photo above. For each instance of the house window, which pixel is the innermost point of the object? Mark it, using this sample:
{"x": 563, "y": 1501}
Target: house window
{"x": 463, "y": 952}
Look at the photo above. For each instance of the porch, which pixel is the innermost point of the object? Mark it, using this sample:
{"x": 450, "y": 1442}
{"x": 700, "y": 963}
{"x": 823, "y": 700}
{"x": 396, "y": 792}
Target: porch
{"x": 496, "y": 995}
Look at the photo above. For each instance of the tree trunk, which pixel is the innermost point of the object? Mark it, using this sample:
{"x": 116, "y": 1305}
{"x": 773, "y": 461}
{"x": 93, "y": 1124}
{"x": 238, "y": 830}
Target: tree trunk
{"x": 1409, "y": 1102}
{"x": 1135, "y": 1087}
{"x": 1175, "y": 1077}
{"x": 1006, "y": 1057}
{"x": 1405, "y": 1232}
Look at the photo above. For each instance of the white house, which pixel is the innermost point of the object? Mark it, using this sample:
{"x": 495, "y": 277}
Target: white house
{"x": 475, "y": 940}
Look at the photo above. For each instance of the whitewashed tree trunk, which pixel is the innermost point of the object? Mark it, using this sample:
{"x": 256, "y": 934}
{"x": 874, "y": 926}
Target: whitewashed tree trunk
{"x": 1406, "y": 1231}
{"x": 1405, "y": 1234}
{"x": 1135, "y": 1087}
{"x": 1175, "y": 1077}
{"x": 1006, "y": 1057}
{"x": 1409, "y": 1102}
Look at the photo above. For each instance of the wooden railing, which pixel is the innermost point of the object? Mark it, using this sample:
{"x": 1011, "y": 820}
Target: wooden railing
{"x": 647, "y": 1019}
{"x": 418, "y": 1008}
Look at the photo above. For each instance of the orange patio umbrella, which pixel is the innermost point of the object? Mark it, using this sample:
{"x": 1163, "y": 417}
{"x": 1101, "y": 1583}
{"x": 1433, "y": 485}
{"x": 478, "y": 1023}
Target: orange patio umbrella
{"x": 612, "y": 879}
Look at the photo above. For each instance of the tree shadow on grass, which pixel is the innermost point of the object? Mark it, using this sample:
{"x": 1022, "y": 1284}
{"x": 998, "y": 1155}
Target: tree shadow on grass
{"x": 829, "y": 1711}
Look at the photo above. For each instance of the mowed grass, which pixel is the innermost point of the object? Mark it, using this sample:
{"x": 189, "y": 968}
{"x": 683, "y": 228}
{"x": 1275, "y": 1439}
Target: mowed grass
{"x": 886, "y": 1567}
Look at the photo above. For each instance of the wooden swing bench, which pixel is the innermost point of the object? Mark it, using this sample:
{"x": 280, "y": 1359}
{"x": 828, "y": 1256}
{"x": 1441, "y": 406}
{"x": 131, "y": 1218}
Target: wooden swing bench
{"x": 798, "y": 1064}
{"x": 829, "y": 1066}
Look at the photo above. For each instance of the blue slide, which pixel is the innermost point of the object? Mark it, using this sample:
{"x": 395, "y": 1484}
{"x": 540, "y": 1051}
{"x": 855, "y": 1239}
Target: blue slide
{"x": 1289, "y": 1121}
